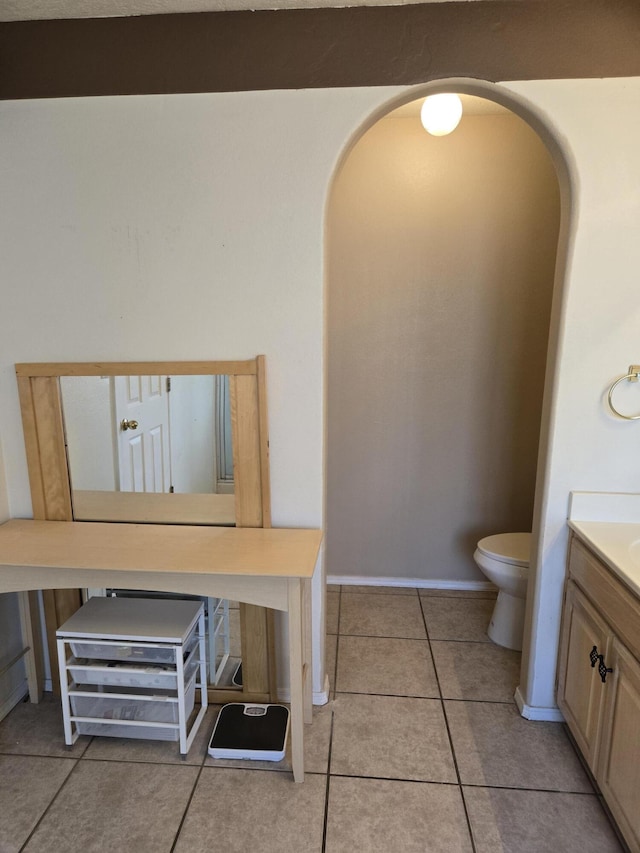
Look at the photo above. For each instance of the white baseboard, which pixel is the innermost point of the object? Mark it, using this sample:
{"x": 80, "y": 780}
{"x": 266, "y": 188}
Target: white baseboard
{"x": 322, "y": 697}
{"x": 532, "y": 712}
{"x": 420, "y": 583}
{"x": 16, "y": 695}
{"x": 319, "y": 697}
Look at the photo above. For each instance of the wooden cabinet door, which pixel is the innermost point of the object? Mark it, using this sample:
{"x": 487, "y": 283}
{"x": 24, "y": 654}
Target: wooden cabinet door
{"x": 580, "y": 687}
{"x": 619, "y": 764}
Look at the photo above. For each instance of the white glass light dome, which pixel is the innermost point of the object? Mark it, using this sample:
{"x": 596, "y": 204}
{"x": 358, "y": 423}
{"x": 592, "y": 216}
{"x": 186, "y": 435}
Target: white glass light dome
{"x": 441, "y": 114}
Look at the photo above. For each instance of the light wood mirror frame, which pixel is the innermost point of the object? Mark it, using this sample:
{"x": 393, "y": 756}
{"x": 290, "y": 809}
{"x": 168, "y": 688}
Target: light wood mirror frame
{"x": 42, "y": 418}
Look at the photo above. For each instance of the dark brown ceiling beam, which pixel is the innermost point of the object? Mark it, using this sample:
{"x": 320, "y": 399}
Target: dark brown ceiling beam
{"x": 312, "y": 48}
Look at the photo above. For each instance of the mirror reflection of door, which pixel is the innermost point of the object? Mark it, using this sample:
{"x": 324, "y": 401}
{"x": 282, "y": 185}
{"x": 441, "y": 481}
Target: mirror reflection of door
{"x": 142, "y": 426}
{"x": 134, "y": 440}
{"x": 223, "y": 437}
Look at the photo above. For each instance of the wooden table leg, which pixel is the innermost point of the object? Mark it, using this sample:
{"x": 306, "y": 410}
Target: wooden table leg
{"x": 31, "y": 638}
{"x": 296, "y": 676}
{"x": 306, "y": 651}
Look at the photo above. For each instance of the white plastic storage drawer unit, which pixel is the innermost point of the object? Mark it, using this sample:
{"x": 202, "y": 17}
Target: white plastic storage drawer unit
{"x": 130, "y": 667}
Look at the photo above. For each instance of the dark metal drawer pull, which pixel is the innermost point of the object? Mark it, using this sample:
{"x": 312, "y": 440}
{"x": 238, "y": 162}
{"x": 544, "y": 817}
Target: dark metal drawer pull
{"x": 603, "y": 670}
{"x": 596, "y": 658}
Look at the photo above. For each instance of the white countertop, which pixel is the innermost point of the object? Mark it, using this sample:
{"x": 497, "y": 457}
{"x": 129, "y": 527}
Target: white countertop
{"x": 617, "y": 544}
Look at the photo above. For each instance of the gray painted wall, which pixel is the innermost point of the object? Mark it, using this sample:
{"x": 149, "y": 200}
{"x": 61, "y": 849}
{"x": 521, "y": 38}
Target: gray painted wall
{"x": 441, "y": 257}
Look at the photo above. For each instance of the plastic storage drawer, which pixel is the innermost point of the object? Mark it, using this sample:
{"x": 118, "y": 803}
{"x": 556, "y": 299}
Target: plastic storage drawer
{"x": 130, "y": 652}
{"x": 128, "y": 675}
{"x": 131, "y": 712}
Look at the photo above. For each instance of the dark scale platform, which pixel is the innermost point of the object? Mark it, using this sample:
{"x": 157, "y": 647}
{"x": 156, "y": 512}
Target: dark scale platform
{"x": 250, "y": 730}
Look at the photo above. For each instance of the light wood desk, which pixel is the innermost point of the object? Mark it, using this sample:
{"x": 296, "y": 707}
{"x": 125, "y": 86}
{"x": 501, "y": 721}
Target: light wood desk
{"x": 269, "y": 567}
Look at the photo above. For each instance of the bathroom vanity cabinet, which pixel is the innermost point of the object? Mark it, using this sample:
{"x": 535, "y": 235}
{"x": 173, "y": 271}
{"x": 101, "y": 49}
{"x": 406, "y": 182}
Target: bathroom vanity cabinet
{"x": 599, "y": 682}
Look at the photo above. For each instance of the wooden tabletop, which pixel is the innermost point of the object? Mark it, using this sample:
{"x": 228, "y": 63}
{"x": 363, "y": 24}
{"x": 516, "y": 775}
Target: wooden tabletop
{"x": 261, "y": 552}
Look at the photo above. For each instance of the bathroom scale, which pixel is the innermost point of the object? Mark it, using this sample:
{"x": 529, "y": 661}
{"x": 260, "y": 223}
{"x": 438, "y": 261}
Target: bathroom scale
{"x": 250, "y": 730}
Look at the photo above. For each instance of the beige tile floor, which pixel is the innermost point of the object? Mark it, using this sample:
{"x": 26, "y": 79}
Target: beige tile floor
{"x": 421, "y": 749}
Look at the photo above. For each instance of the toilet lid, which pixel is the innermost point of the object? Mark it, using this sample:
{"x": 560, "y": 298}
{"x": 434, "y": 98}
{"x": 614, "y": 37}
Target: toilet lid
{"x": 507, "y": 548}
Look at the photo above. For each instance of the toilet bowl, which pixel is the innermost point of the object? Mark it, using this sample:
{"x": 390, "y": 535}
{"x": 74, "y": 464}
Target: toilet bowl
{"x": 504, "y": 559}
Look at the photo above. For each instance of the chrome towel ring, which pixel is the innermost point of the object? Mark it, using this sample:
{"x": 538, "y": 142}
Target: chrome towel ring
{"x": 632, "y": 376}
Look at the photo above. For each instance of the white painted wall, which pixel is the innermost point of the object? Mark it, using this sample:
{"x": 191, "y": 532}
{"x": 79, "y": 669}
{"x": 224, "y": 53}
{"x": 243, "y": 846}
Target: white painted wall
{"x": 13, "y": 684}
{"x": 88, "y": 423}
{"x": 4, "y": 495}
{"x": 191, "y": 227}
{"x": 186, "y": 227}
{"x": 598, "y": 125}
{"x": 193, "y": 433}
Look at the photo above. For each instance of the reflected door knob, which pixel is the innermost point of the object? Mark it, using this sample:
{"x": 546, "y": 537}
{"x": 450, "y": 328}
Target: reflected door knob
{"x": 127, "y": 424}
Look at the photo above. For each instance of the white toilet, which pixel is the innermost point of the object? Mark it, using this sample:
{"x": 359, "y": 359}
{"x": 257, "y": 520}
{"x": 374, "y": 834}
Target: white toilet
{"x": 504, "y": 559}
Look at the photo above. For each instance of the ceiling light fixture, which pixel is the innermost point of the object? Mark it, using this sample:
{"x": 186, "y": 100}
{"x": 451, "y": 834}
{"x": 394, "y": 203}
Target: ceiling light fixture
{"x": 441, "y": 114}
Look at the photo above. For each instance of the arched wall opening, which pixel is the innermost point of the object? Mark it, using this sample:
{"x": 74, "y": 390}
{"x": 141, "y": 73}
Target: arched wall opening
{"x": 439, "y": 397}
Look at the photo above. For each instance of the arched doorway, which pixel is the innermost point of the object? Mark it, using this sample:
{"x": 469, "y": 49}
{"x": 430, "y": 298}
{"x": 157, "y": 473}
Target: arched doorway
{"x": 436, "y": 394}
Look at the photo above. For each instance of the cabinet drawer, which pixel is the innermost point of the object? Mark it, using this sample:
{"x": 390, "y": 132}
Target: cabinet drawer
{"x": 608, "y": 594}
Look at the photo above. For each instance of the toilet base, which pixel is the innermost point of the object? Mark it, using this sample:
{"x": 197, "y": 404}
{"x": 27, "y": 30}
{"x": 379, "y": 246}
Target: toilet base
{"x": 506, "y": 627}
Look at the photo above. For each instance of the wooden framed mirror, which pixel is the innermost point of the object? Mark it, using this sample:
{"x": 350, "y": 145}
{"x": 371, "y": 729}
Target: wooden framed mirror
{"x": 54, "y": 498}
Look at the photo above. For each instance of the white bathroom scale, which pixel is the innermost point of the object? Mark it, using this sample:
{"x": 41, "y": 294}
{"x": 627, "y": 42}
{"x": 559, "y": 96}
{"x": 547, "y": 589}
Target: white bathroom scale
{"x": 250, "y": 730}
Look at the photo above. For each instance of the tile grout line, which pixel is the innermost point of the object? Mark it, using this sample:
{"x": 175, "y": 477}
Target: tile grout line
{"x": 402, "y": 779}
{"x": 468, "y": 785}
{"x": 335, "y": 665}
{"x": 446, "y": 722}
{"x": 531, "y": 790}
{"x": 188, "y": 805}
{"x": 434, "y": 698}
{"x": 420, "y": 592}
{"x": 51, "y": 802}
{"x": 89, "y": 758}
{"x": 332, "y": 689}
{"x": 326, "y": 790}
{"x": 416, "y": 639}
{"x": 189, "y": 801}
{"x": 101, "y": 760}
